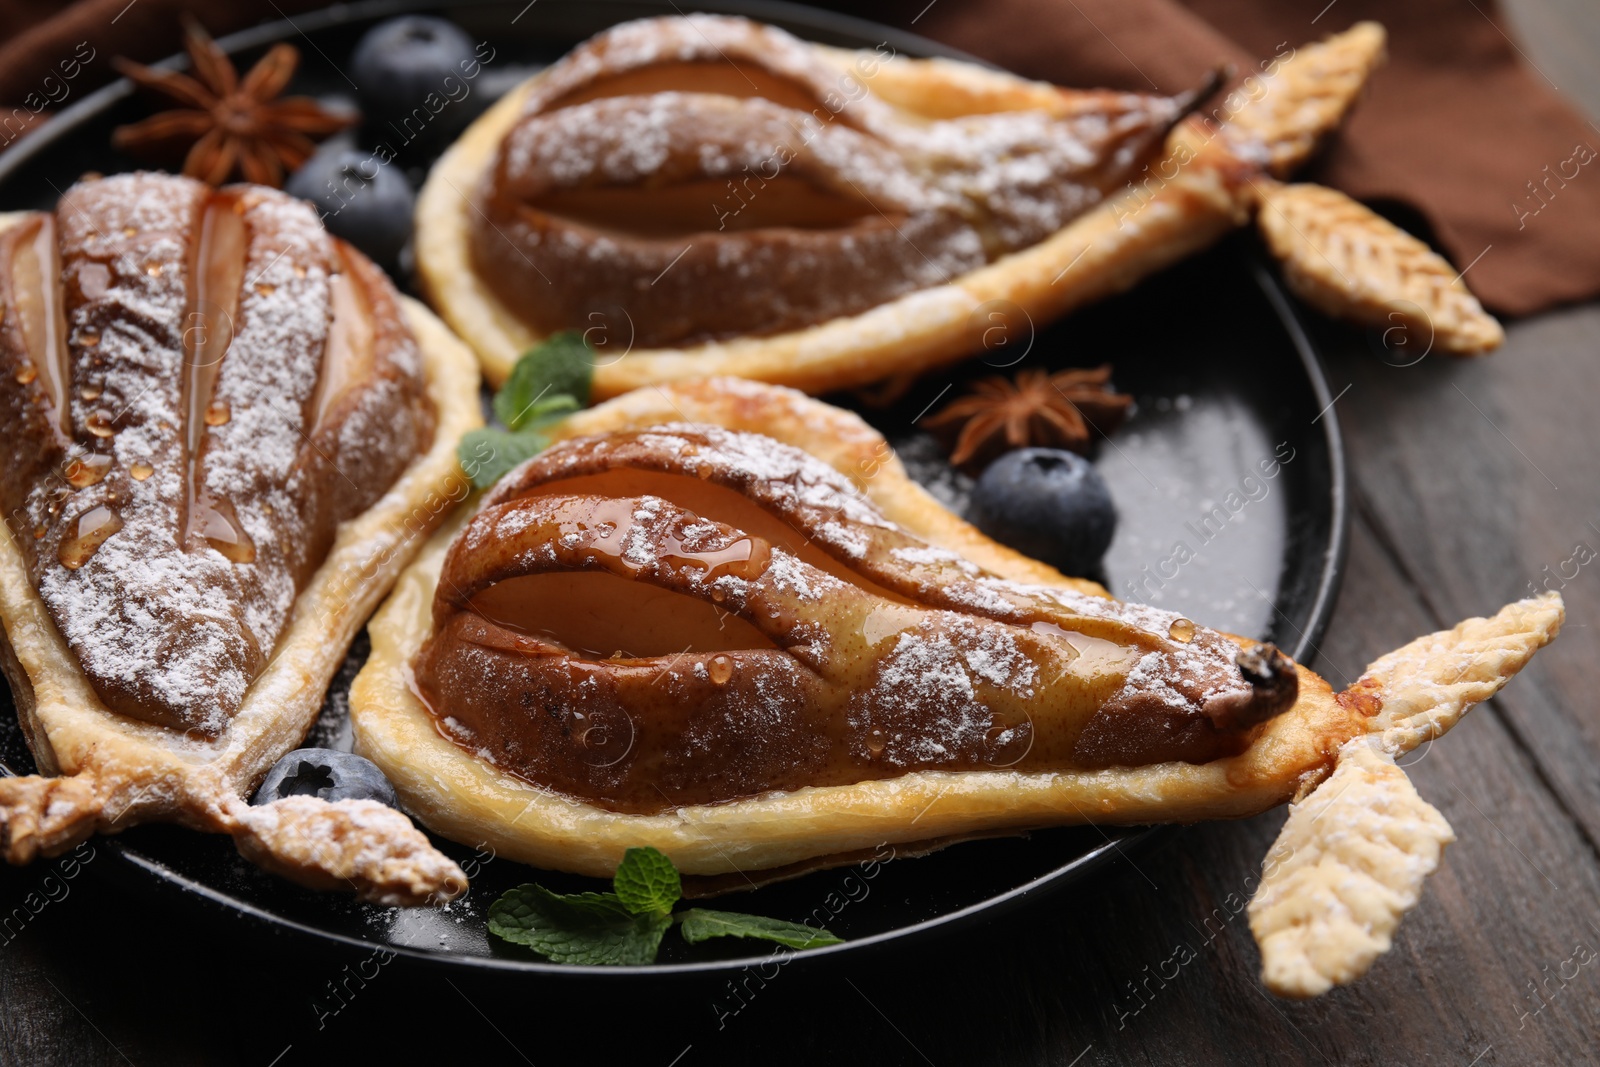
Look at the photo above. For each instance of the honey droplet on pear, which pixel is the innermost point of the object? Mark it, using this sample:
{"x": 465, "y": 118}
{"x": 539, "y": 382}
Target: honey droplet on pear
{"x": 90, "y": 531}
{"x": 90, "y": 392}
{"x": 876, "y": 742}
{"x": 99, "y": 423}
{"x": 26, "y": 371}
{"x": 89, "y": 338}
{"x": 1181, "y": 630}
{"x": 218, "y": 524}
{"x": 141, "y": 470}
{"x": 218, "y": 413}
{"x": 720, "y": 669}
{"x": 86, "y": 470}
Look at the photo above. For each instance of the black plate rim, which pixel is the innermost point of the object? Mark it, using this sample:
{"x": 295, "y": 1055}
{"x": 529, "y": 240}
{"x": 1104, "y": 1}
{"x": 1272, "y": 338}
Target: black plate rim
{"x": 146, "y": 869}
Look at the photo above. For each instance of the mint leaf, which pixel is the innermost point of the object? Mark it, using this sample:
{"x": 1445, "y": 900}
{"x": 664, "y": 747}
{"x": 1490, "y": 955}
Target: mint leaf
{"x": 552, "y": 377}
{"x": 699, "y": 924}
{"x": 583, "y": 928}
{"x": 646, "y": 881}
{"x": 488, "y": 454}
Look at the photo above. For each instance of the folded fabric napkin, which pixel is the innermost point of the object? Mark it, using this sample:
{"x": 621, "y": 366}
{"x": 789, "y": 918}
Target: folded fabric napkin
{"x": 1457, "y": 126}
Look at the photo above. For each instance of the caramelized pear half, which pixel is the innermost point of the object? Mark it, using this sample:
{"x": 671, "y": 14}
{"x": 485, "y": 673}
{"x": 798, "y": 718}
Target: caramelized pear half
{"x": 686, "y": 615}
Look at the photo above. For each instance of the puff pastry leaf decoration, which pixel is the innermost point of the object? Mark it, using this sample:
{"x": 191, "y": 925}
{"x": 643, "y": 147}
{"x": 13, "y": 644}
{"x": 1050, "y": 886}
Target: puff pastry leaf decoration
{"x": 361, "y": 846}
{"x": 1346, "y": 866}
{"x": 1352, "y": 263}
{"x": 1300, "y": 100}
{"x": 226, "y": 434}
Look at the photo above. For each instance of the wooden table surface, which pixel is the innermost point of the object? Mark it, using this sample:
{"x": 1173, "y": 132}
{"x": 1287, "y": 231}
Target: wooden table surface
{"x": 1471, "y": 481}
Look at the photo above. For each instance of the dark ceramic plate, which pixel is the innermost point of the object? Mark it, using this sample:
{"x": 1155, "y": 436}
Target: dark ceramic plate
{"x": 1229, "y": 476}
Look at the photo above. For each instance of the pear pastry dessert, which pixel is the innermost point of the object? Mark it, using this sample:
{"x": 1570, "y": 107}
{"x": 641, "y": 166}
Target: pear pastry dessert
{"x": 712, "y": 196}
{"x": 226, "y": 435}
{"x": 717, "y": 618}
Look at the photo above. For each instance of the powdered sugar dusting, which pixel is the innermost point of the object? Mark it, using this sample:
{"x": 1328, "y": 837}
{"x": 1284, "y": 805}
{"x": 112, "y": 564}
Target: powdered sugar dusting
{"x": 926, "y": 703}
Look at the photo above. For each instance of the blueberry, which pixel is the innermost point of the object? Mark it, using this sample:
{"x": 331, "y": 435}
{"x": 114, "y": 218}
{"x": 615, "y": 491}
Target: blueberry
{"x": 412, "y": 74}
{"x": 364, "y": 200}
{"x": 325, "y": 773}
{"x": 1052, "y": 505}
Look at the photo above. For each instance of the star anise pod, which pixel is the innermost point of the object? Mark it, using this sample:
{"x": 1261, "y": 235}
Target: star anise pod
{"x": 228, "y": 124}
{"x": 1060, "y": 410}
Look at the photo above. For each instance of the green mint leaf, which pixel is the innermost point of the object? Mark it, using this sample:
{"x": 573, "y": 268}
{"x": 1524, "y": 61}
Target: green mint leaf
{"x": 582, "y": 928}
{"x": 551, "y": 377}
{"x": 549, "y": 409}
{"x": 488, "y": 454}
{"x": 647, "y": 881}
{"x": 698, "y": 924}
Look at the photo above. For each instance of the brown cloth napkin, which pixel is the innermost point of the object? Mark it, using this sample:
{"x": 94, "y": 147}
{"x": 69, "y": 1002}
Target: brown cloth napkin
{"x": 1456, "y": 126}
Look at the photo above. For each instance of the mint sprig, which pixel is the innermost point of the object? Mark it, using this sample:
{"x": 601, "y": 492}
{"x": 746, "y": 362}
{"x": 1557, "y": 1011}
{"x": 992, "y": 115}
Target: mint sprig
{"x": 551, "y": 380}
{"x": 626, "y": 925}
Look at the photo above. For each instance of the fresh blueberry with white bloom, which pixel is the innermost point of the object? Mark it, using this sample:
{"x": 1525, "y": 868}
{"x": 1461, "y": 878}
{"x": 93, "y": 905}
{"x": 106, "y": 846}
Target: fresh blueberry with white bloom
{"x": 1049, "y": 503}
{"x": 413, "y": 75}
{"x": 361, "y": 198}
{"x": 325, "y": 773}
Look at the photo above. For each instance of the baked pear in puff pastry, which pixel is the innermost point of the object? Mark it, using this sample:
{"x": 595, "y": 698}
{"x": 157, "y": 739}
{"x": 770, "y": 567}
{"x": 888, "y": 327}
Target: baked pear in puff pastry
{"x": 226, "y": 434}
{"x": 719, "y": 619}
{"x": 713, "y": 196}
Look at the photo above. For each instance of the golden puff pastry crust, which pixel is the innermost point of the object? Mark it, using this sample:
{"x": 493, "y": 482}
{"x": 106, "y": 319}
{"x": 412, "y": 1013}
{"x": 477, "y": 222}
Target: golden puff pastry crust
{"x": 1404, "y": 698}
{"x": 101, "y": 772}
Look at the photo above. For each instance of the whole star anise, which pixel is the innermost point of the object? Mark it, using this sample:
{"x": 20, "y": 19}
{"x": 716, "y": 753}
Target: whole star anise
{"x": 226, "y": 124}
{"x": 1060, "y": 410}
